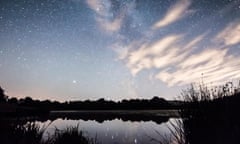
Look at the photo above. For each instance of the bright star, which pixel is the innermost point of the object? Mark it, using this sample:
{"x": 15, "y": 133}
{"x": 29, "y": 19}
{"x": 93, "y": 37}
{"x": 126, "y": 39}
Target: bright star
{"x": 74, "y": 81}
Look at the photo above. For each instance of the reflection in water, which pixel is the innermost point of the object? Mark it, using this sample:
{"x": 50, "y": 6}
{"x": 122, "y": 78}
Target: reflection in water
{"x": 111, "y": 131}
{"x": 111, "y": 127}
{"x": 157, "y": 116}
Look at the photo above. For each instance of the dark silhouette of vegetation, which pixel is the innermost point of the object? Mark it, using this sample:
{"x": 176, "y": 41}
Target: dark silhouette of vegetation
{"x": 15, "y": 110}
{"x": 32, "y": 133}
{"x": 3, "y": 97}
{"x": 176, "y": 136}
{"x": 70, "y": 135}
{"x": 28, "y": 106}
{"x": 133, "y": 104}
{"x": 101, "y": 116}
{"x": 209, "y": 116}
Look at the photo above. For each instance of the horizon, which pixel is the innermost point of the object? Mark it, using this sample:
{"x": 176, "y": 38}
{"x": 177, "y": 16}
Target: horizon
{"x": 93, "y": 100}
{"x": 88, "y": 49}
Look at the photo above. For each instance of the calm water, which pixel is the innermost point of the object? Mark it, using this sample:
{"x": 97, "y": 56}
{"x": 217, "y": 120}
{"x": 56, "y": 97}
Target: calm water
{"x": 116, "y": 131}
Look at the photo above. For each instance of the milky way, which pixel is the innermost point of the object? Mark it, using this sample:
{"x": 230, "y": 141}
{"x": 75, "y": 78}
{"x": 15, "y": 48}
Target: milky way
{"x": 116, "y": 49}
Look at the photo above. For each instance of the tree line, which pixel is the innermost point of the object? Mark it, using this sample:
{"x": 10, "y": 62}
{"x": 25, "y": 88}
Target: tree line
{"x": 100, "y": 104}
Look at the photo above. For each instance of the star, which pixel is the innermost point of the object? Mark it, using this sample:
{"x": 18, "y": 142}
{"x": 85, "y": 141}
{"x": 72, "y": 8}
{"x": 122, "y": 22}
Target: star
{"x": 74, "y": 81}
{"x": 135, "y": 141}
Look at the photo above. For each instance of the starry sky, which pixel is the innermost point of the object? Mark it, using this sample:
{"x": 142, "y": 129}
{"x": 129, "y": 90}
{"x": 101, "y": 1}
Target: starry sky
{"x": 116, "y": 49}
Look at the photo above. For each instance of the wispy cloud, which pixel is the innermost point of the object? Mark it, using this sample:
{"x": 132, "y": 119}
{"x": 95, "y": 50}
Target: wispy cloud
{"x": 179, "y": 64}
{"x": 111, "y": 25}
{"x": 104, "y": 15}
{"x": 175, "y": 13}
{"x": 177, "y": 58}
{"x": 166, "y": 52}
{"x": 229, "y": 35}
{"x": 191, "y": 68}
{"x": 101, "y": 7}
{"x": 153, "y": 55}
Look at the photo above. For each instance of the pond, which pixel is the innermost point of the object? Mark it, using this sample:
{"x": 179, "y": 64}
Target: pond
{"x": 107, "y": 127}
{"x": 114, "y": 127}
{"x": 114, "y": 131}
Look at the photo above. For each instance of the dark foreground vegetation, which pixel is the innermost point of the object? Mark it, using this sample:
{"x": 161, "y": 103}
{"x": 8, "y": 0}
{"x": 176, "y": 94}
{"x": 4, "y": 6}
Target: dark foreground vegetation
{"x": 11, "y": 106}
{"x": 32, "y": 133}
{"x": 213, "y": 116}
{"x": 207, "y": 116}
{"x": 36, "y": 106}
{"x": 15, "y": 113}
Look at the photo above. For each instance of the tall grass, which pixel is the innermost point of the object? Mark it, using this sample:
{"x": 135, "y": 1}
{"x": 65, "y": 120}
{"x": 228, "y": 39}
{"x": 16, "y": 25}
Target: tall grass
{"x": 209, "y": 116}
{"x": 203, "y": 92}
{"x": 176, "y": 135}
{"x": 32, "y": 133}
{"x": 70, "y": 135}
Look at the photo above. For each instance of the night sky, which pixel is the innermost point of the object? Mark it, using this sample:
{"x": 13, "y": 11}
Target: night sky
{"x": 116, "y": 49}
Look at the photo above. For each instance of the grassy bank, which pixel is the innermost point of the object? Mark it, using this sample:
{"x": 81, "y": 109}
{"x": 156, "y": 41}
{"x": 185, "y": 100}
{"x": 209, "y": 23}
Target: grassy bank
{"x": 209, "y": 116}
{"x": 31, "y": 133}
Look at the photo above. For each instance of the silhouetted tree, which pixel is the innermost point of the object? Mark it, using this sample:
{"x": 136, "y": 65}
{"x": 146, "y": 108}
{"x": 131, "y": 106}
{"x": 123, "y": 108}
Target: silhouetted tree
{"x": 13, "y": 100}
{"x": 3, "y": 97}
{"x": 28, "y": 100}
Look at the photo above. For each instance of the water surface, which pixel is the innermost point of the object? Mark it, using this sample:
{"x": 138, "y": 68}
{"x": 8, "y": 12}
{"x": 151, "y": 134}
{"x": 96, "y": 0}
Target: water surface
{"x": 115, "y": 131}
